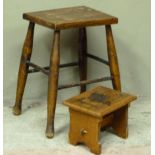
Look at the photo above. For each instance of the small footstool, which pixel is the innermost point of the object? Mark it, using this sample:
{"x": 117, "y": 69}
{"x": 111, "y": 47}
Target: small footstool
{"x": 94, "y": 109}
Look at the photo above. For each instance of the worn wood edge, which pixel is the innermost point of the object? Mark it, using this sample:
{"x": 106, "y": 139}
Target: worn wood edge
{"x": 100, "y": 87}
{"x": 113, "y": 108}
{"x": 100, "y": 114}
{"x": 85, "y": 111}
{"x": 117, "y": 106}
{"x": 87, "y": 23}
{"x": 79, "y": 23}
{"x": 39, "y": 22}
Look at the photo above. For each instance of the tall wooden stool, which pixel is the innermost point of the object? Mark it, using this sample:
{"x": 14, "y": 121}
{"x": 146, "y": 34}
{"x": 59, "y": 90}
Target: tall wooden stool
{"x": 92, "y": 110}
{"x": 59, "y": 19}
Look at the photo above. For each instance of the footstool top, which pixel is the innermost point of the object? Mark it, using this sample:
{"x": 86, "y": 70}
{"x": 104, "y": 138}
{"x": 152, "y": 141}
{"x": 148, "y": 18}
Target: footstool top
{"x": 99, "y": 101}
{"x": 63, "y": 18}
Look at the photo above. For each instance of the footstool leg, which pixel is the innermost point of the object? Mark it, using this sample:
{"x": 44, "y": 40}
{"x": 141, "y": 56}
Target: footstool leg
{"x": 120, "y": 122}
{"x": 83, "y": 56}
{"x": 23, "y": 68}
{"x": 96, "y": 148}
{"x": 112, "y": 56}
{"x": 53, "y": 84}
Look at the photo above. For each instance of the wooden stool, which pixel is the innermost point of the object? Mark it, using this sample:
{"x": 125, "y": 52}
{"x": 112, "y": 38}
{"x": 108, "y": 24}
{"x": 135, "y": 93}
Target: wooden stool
{"x": 59, "y": 19}
{"x": 94, "y": 109}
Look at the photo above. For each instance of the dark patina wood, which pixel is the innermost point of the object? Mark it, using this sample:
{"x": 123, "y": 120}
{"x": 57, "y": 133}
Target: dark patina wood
{"x": 37, "y": 68}
{"x": 97, "y": 59}
{"x": 53, "y": 84}
{"x": 63, "y": 18}
{"x": 23, "y": 68}
{"x": 84, "y": 82}
{"x": 113, "y": 62}
{"x": 94, "y": 109}
{"x": 121, "y": 116}
{"x": 83, "y": 56}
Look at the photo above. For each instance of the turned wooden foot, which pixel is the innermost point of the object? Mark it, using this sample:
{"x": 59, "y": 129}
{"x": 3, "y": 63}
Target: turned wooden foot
{"x": 50, "y": 131}
{"x": 23, "y": 68}
{"x": 17, "y": 110}
{"x": 53, "y": 84}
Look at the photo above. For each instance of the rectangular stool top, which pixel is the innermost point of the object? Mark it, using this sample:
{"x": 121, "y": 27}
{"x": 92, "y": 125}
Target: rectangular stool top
{"x": 99, "y": 101}
{"x": 63, "y": 18}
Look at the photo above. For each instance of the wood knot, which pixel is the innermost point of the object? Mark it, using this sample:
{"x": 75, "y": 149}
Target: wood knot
{"x": 98, "y": 97}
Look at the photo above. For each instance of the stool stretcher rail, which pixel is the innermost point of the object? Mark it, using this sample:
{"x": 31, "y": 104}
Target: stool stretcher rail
{"x": 45, "y": 70}
{"x": 98, "y": 59}
{"x": 84, "y": 82}
{"x": 37, "y": 68}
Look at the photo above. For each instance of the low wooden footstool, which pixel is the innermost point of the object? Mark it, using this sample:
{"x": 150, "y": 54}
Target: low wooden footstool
{"x": 94, "y": 109}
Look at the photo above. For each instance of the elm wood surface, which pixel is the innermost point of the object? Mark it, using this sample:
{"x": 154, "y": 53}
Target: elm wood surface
{"x": 95, "y": 109}
{"x": 63, "y": 18}
{"x": 57, "y": 19}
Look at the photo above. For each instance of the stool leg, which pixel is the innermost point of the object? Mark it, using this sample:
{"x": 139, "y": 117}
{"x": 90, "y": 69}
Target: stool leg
{"x": 83, "y": 56}
{"x": 23, "y": 68}
{"x": 95, "y": 146}
{"x": 53, "y": 84}
{"x": 120, "y": 122}
{"x": 112, "y": 56}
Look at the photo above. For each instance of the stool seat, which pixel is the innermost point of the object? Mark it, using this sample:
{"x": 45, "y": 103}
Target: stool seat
{"x": 70, "y": 17}
{"x": 99, "y": 101}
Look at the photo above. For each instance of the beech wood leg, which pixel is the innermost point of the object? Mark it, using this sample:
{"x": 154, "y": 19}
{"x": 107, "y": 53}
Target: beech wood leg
{"x": 23, "y": 68}
{"x": 83, "y": 57}
{"x": 112, "y": 56}
{"x": 53, "y": 84}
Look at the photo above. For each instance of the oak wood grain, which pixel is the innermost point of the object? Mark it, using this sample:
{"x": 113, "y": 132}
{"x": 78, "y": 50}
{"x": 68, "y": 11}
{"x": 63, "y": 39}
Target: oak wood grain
{"x": 80, "y": 16}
